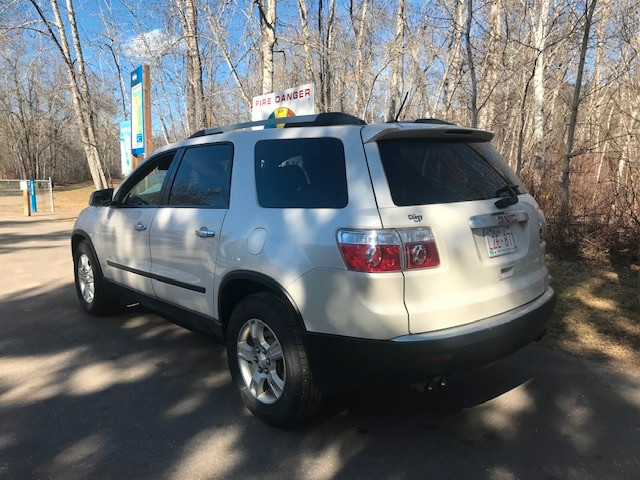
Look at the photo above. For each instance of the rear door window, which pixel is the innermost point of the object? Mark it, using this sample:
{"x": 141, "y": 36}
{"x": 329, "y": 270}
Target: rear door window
{"x": 301, "y": 173}
{"x": 423, "y": 172}
{"x": 203, "y": 178}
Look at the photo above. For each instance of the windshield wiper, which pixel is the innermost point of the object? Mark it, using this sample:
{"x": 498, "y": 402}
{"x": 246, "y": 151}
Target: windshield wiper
{"x": 512, "y": 199}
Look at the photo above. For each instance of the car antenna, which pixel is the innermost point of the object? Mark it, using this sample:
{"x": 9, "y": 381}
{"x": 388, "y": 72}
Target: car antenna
{"x": 406, "y": 95}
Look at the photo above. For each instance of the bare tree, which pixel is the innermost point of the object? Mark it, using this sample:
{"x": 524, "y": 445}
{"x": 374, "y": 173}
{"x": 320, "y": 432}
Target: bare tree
{"x": 359, "y": 23}
{"x": 267, "y": 41}
{"x": 472, "y": 67}
{"x": 306, "y": 41}
{"x": 188, "y": 15}
{"x": 540, "y": 24}
{"x": 78, "y": 84}
{"x": 326, "y": 71}
{"x": 397, "y": 62}
{"x": 565, "y": 205}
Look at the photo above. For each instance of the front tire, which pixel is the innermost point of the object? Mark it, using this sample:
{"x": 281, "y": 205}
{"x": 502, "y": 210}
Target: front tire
{"x": 268, "y": 362}
{"x": 90, "y": 285}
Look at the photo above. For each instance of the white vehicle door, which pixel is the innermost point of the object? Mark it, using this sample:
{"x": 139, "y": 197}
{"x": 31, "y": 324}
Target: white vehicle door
{"x": 125, "y": 231}
{"x": 185, "y": 234}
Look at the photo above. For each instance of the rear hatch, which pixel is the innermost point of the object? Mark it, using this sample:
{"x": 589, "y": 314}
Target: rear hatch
{"x": 448, "y": 179}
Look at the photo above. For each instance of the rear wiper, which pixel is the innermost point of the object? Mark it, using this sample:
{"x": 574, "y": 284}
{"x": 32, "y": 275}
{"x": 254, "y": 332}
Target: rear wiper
{"x": 512, "y": 199}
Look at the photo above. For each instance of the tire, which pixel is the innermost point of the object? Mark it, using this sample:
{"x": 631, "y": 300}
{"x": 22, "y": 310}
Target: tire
{"x": 285, "y": 393}
{"x": 90, "y": 285}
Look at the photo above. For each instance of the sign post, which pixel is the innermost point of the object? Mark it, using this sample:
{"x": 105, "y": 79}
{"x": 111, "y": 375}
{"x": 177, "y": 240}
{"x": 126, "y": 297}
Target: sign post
{"x": 32, "y": 194}
{"x": 141, "y": 141}
{"x": 294, "y": 101}
{"x": 24, "y": 186}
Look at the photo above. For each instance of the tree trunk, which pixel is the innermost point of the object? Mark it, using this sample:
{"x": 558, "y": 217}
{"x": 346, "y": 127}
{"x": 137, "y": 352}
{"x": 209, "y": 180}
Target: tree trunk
{"x": 565, "y": 205}
{"x": 472, "y": 67}
{"x": 306, "y": 41}
{"x": 188, "y": 14}
{"x": 397, "y": 62}
{"x": 358, "y": 71}
{"x": 267, "y": 41}
{"x": 451, "y": 71}
{"x": 539, "y": 39}
{"x": 493, "y": 61}
{"x": 326, "y": 71}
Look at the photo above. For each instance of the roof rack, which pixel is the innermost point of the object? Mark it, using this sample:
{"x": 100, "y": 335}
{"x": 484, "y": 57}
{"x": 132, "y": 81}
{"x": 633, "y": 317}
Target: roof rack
{"x": 319, "y": 120}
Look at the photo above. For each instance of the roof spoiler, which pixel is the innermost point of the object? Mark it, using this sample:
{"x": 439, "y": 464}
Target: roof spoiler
{"x": 390, "y": 131}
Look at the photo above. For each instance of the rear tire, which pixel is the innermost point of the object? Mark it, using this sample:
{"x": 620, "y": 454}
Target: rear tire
{"x": 268, "y": 362}
{"x": 90, "y": 285}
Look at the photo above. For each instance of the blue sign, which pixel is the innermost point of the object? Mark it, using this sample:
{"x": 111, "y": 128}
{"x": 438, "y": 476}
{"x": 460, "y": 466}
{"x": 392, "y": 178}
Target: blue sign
{"x": 137, "y": 112}
{"x": 125, "y": 147}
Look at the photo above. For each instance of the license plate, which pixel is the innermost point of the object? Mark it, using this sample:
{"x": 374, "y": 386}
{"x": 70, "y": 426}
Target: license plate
{"x": 500, "y": 241}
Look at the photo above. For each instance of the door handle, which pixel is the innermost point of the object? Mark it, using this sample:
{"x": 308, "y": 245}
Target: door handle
{"x": 204, "y": 232}
{"x": 140, "y": 227}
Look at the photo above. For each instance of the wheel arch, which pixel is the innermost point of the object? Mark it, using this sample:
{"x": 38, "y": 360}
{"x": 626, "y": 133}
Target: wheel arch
{"x": 239, "y": 284}
{"x": 78, "y": 236}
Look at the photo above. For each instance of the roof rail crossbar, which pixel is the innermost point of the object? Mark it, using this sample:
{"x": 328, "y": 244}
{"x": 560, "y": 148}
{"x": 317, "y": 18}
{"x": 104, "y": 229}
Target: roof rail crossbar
{"x": 319, "y": 120}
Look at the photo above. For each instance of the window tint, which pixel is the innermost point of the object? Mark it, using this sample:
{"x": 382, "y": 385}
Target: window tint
{"x": 487, "y": 150}
{"x": 204, "y": 177}
{"x": 422, "y": 172}
{"x": 148, "y": 190}
{"x": 301, "y": 173}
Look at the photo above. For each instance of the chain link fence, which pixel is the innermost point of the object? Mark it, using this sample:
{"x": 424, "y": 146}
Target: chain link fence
{"x": 11, "y": 199}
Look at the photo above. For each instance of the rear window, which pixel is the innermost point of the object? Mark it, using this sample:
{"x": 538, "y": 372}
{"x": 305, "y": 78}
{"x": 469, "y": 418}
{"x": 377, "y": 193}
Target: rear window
{"x": 203, "y": 177}
{"x": 301, "y": 173}
{"x": 422, "y": 172}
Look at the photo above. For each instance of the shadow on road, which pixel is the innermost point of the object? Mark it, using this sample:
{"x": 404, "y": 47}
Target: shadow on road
{"x": 11, "y": 242}
{"x": 134, "y": 396}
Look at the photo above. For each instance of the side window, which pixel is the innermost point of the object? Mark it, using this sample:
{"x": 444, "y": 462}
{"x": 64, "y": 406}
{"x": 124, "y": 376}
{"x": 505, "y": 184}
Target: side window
{"x": 301, "y": 173}
{"x": 147, "y": 191}
{"x": 204, "y": 177}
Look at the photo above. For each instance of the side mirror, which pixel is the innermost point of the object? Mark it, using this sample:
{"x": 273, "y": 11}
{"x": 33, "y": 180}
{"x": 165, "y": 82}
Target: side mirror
{"x": 101, "y": 198}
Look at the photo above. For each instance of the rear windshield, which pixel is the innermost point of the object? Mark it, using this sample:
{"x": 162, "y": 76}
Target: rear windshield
{"x": 424, "y": 171}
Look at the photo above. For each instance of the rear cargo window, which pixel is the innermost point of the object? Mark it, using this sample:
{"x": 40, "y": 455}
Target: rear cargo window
{"x": 422, "y": 172}
{"x": 301, "y": 173}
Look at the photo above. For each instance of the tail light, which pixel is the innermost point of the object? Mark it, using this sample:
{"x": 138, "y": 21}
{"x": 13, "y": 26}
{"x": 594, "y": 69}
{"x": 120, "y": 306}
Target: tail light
{"x": 542, "y": 226}
{"x": 420, "y": 249}
{"x": 370, "y": 250}
{"x": 387, "y": 250}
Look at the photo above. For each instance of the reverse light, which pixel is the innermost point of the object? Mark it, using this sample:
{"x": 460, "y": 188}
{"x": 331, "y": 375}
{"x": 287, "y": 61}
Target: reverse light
{"x": 419, "y": 248}
{"x": 380, "y": 250}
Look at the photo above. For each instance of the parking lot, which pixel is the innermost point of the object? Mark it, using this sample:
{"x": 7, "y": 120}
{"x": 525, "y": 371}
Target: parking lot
{"x": 134, "y": 396}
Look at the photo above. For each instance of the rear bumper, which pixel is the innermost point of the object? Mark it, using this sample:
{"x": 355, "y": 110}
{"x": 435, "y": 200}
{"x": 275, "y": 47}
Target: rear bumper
{"x": 345, "y": 363}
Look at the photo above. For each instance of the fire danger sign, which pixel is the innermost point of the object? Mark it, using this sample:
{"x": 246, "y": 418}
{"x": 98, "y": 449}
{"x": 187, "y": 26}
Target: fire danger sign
{"x": 294, "y": 101}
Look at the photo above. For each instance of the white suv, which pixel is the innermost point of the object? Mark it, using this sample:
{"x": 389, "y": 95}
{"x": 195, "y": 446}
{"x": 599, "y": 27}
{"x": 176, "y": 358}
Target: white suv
{"x": 328, "y": 255}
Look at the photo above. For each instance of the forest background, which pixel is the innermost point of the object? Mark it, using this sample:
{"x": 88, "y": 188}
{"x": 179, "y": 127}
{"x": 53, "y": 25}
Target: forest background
{"x": 557, "y": 81}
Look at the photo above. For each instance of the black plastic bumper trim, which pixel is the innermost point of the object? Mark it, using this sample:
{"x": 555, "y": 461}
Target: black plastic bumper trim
{"x": 347, "y": 363}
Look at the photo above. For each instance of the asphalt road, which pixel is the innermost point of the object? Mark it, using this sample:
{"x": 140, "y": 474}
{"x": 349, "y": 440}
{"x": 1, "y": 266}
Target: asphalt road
{"x": 134, "y": 396}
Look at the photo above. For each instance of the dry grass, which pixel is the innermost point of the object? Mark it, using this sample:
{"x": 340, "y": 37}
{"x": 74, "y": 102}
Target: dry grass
{"x": 596, "y": 315}
{"x": 72, "y": 198}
